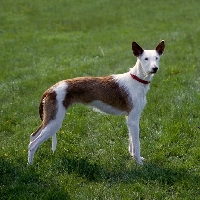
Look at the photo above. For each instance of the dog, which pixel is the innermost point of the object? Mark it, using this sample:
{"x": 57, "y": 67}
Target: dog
{"x": 121, "y": 94}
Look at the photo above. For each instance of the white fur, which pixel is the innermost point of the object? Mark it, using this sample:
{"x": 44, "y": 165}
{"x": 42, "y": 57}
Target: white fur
{"x": 145, "y": 67}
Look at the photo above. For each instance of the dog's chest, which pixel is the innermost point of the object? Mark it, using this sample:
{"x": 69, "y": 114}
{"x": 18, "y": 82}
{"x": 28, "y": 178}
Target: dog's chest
{"x": 135, "y": 90}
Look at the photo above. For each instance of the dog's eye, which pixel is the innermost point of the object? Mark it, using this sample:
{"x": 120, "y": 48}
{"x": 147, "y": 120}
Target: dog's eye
{"x": 146, "y": 59}
{"x": 156, "y": 58}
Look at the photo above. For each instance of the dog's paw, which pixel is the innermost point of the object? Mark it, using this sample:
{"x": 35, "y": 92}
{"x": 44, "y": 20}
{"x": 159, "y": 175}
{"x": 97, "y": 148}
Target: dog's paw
{"x": 31, "y": 151}
{"x": 139, "y": 160}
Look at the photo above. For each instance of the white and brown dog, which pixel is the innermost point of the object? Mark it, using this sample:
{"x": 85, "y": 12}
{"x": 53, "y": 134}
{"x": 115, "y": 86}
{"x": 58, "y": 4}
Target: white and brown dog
{"x": 116, "y": 94}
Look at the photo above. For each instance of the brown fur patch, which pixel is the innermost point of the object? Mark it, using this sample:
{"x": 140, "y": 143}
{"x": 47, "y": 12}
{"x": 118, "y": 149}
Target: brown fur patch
{"x": 87, "y": 89}
{"x": 48, "y": 106}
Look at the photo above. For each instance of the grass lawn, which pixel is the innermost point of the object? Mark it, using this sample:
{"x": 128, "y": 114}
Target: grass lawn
{"x": 43, "y": 42}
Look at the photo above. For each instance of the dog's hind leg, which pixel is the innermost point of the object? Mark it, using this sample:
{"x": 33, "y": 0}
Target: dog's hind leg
{"x": 47, "y": 132}
{"x": 54, "y": 142}
{"x": 35, "y": 134}
{"x": 53, "y": 115}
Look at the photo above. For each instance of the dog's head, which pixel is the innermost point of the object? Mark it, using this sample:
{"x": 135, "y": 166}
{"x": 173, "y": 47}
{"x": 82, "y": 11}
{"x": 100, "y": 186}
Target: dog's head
{"x": 149, "y": 59}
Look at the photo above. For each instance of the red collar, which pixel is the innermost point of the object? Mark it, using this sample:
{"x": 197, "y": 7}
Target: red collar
{"x": 139, "y": 80}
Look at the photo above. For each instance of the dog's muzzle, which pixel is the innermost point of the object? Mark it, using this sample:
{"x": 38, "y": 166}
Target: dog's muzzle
{"x": 154, "y": 70}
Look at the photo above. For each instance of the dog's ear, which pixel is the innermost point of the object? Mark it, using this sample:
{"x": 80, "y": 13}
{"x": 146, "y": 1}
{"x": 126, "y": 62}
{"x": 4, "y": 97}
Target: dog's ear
{"x": 160, "y": 47}
{"x": 137, "y": 50}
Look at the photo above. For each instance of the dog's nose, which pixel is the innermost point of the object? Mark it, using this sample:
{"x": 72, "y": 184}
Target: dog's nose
{"x": 155, "y": 69}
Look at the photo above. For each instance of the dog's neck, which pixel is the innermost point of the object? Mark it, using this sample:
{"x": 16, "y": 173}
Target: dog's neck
{"x": 140, "y": 72}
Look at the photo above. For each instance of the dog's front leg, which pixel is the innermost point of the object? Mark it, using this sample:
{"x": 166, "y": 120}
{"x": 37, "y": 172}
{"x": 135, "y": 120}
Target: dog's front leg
{"x": 134, "y": 146}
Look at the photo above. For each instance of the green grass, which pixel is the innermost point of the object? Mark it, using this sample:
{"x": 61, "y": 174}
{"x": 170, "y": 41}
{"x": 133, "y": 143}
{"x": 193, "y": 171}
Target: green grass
{"x": 43, "y": 42}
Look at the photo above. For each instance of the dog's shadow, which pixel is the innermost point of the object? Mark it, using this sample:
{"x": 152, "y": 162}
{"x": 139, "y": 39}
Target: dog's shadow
{"x": 148, "y": 172}
{"x": 17, "y": 179}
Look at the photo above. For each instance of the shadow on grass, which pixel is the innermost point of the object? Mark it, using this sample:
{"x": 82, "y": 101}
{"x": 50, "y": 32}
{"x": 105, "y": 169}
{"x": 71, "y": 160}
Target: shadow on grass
{"x": 22, "y": 182}
{"x": 150, "y": 172}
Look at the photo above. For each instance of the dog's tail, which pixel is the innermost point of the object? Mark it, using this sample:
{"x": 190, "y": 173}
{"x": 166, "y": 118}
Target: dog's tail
{"x": 41, "y": 106}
